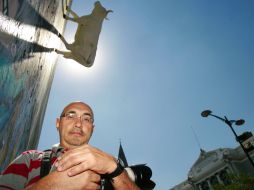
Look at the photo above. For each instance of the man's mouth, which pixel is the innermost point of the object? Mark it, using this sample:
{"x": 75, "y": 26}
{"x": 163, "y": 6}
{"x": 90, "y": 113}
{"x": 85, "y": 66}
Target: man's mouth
{"x": 77, "y": 133}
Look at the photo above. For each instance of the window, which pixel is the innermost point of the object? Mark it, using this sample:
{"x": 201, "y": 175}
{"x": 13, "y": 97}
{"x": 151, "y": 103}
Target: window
{"x": 214, "y": 180}
{"x": 224, "y": 177}
{"x": 204, "y": 185}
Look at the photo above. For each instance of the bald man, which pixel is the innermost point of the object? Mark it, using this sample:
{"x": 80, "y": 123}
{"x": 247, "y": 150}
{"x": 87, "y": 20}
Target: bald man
{"x": 74, "y": 163}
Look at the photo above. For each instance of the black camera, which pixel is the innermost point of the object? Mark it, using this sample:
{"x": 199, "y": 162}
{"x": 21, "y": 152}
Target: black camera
{"x": 140, "y": 174}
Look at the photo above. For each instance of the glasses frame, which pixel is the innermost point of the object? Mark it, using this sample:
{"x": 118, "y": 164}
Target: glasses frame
{"x": 73, "y": 116}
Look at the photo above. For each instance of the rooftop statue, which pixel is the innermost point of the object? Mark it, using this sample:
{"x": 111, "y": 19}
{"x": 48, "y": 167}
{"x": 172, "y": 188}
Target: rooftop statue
{"x": 83, "y": 49}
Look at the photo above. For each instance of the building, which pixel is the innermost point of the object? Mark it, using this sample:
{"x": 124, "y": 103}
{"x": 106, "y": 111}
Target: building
{"x": 28, "y": 34}
{"x": 213, "y": 166}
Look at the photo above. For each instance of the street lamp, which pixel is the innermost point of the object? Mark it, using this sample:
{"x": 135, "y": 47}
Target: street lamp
{"x": 239, "y": 122}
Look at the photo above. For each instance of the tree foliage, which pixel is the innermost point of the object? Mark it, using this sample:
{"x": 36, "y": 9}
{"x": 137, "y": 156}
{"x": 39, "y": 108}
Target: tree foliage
{"x": 237, "y": 182}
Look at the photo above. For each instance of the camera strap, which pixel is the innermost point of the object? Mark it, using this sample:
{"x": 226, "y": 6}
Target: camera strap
{"x": 45, "y": 163}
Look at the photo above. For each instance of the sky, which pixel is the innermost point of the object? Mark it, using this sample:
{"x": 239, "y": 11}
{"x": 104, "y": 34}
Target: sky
{"x": 159, "y": 64}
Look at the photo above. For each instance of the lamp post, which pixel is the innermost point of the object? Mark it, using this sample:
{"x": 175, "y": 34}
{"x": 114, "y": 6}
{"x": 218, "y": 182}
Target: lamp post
{"x": 239, "y": 122}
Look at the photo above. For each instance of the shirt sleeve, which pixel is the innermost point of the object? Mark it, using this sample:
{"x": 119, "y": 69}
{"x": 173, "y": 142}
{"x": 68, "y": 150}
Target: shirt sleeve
{"x": 15, "y": 176}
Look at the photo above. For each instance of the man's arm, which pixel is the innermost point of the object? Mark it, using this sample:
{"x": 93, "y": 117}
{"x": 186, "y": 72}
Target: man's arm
{"x": 15, "y": 176}
{"x": 87, "y": 157}
{"x": 60, "y": 180}
{"x": 123, "y": 182}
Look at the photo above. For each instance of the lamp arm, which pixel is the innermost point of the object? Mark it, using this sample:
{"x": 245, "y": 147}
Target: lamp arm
{"x": 220, "y": 118}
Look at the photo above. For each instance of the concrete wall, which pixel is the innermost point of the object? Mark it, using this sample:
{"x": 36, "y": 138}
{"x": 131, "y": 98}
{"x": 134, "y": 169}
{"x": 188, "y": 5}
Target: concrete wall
{"x": 27, "y": 64}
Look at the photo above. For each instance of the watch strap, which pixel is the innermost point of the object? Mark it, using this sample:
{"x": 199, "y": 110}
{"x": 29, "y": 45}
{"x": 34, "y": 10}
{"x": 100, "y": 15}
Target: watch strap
{"x": 119, "y": 169}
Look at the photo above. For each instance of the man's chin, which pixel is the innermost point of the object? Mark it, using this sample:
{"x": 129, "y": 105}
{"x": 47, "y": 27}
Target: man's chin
{"x": 76, "y": 142}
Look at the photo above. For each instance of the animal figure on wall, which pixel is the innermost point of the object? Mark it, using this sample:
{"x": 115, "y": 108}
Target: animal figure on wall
{"x": 83, "y": 49}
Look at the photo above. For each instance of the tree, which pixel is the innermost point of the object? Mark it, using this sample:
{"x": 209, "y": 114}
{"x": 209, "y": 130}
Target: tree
{"x": 237, "y": 182}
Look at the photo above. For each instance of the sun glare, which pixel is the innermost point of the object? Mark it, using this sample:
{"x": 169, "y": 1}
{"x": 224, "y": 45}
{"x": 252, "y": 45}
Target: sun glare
{"x": 69, "y": 66}
{"x": 17, "y": 29}
{"x": 76, "y": 70}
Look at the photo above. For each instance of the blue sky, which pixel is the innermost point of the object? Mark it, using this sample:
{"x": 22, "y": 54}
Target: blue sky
{"x": 158, "y": 65}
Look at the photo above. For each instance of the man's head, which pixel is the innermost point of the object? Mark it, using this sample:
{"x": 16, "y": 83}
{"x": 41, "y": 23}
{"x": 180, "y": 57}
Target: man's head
{"x": 75, "y": 125}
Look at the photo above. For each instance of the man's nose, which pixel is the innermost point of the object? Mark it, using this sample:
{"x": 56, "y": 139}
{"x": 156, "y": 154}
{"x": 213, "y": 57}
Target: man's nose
{"x": 78, "y": 122}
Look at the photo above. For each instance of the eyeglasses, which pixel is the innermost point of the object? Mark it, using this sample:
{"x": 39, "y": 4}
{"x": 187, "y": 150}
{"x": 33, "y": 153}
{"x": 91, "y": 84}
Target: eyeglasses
{"x": 72, "y": 116}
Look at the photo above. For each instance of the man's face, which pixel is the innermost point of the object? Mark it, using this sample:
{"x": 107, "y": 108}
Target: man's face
{"x": 75, "y": 125}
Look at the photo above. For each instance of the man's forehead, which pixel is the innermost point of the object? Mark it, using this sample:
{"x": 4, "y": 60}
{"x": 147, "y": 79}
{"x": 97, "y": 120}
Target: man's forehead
{"x": 78, "y": 106}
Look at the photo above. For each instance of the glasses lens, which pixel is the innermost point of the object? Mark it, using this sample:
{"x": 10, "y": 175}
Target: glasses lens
{"x": 71, "y": 115}
{"x": 84, "y": 118}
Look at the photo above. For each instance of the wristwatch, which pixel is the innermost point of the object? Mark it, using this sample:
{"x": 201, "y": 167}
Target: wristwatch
{"x": 119, "y": 169}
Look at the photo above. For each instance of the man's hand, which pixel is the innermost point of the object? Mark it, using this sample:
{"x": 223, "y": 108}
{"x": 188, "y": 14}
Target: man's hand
{"x": 60, "y": 180}
{"x": 86, "y": 158}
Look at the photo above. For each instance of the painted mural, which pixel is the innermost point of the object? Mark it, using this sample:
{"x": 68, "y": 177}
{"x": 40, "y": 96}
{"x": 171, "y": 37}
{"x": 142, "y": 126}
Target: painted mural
{"x": 28, "y": 30}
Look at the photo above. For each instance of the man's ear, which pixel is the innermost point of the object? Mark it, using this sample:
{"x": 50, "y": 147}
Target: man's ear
{"x": 57, "y": 123}
{"x": 93, "y": 128}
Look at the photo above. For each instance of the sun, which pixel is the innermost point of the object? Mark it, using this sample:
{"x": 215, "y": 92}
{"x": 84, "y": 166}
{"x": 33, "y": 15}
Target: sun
{"x": 74, "y": 69}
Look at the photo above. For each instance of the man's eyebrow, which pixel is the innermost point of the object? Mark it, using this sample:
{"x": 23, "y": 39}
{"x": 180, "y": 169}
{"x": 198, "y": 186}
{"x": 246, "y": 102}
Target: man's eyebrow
{"x": 89, "y": 114}
{"x": 70, "y": 111}
{"x": 74, "y": 112}
{"x": 86, "y": 113}
{"x": 63, "y": 114}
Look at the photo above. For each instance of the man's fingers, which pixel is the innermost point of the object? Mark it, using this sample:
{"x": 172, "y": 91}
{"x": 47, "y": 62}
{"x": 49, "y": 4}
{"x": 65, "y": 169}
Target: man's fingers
{"x": 75, "y": 170}
{"x": 85, "y": 158}
{"x": 68, "y": 162}
{"x": 90, "y": 176}
{"x": 94, "y": 186}
{"x": 73, "y": 158}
